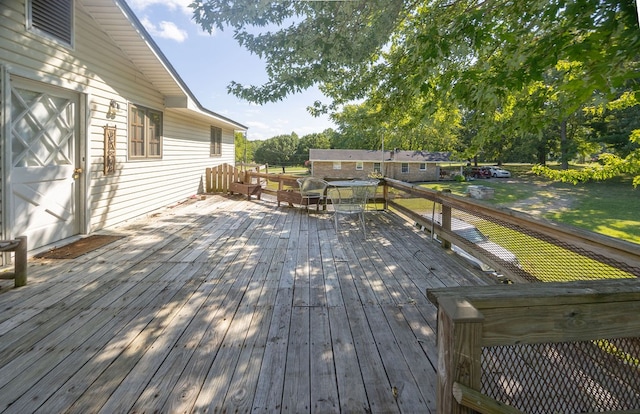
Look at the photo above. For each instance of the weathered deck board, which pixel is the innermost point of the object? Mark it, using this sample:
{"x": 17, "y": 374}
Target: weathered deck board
{"x": 229, "y": 305}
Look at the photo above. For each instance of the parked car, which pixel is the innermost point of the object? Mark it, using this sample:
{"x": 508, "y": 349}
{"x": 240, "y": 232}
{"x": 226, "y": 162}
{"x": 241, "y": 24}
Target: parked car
{"x": 498, "y": 172}
{"x": 471, "y": 233}
{"x": 480, "y": 172}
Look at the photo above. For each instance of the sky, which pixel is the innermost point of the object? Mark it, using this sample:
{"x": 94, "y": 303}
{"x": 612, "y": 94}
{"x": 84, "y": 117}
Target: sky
{"x": 209, "y": 62}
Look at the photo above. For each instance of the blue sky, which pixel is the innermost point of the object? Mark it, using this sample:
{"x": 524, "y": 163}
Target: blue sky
{"x": 208, "y": 63}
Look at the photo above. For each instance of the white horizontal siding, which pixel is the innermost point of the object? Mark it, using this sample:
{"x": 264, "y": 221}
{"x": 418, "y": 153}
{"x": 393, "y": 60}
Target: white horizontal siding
{"x": 98, "y": 68}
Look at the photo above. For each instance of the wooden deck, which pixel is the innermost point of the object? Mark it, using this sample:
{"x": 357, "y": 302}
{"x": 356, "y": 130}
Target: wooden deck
{"x": 229, "y": 305}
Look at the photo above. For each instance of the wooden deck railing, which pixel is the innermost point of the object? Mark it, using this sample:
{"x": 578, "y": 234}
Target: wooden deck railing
{"x": 613, "y": 252}
{"x": 474, "y": 321}
{"x": 622, "y": 256}
{"x": 475, "y": 318}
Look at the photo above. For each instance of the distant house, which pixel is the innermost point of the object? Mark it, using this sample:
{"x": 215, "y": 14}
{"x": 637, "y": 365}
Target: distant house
{"x": 407, "y": 166}
{"x": 96, "y": 125}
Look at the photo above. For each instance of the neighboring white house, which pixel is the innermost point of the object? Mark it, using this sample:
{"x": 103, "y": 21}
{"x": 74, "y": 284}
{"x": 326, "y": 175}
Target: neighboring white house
{"x": 96, "y": 126}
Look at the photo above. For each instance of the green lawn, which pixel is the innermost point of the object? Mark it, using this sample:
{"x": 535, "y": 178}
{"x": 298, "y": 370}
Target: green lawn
{"x": 611, "y": 208}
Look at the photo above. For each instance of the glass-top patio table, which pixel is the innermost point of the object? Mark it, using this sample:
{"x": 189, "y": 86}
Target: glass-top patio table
{"x": 352, "y": 183}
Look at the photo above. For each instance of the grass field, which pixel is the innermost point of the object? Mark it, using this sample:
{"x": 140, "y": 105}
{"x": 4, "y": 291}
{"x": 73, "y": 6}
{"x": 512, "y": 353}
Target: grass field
{"x": 611, "y": 207}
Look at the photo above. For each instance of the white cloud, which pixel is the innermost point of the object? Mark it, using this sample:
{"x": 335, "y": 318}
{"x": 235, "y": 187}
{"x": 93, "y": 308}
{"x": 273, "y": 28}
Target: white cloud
{"x": 165, "y": 29}
{"x": 182, "y": 5}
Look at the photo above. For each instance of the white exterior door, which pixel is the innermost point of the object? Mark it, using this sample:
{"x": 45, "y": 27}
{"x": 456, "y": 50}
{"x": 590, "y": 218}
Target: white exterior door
{"x": 42, "y": 180}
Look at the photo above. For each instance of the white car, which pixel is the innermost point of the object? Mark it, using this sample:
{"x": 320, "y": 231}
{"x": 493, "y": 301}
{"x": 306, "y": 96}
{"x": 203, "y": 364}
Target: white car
{"x": 498, "y": 172}
{"x": 471, "y": 233}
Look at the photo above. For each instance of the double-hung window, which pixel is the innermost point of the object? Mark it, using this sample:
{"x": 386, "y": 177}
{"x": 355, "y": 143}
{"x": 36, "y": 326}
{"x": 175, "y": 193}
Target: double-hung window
{"x": 51, "y": 18}
{"x": 359, "y": 165}
{"x": 216, "y": 142}
{"x": 145, "y": 133}
{"x": 405, "y": 168}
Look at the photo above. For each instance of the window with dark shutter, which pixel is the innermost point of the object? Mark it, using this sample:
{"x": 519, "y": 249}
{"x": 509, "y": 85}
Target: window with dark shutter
{"x": 53, "y": 17}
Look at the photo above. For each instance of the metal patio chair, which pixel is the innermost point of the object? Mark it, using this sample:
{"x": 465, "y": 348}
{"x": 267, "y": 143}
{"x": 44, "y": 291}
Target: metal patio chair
{"x": 349, "y": 201}
{"x": 312, "y": 189}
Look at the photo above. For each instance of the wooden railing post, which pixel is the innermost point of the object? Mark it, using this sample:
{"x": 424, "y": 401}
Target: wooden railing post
{"x": 459, "y": 351}
{"x": 385, "y": 195}
{"x": 446, "y": 221}
{"x": 21, "y": 262}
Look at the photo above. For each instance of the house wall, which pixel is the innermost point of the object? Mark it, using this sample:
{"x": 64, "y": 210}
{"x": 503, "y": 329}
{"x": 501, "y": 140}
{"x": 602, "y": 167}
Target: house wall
{"x": 98, "y": 69}
{"x": 394, "y": 170}
{"x": 324, "y": 169}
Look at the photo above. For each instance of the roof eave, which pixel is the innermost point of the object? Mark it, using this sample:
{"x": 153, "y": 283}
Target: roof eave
{"x": 178, "y": 95}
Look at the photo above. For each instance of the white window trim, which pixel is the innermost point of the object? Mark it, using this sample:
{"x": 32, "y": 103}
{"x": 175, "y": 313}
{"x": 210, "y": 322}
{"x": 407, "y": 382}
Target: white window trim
{"x": 337, "y": 165}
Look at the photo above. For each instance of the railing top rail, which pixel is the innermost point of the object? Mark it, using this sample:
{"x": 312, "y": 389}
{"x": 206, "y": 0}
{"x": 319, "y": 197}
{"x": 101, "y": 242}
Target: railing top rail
{"x": 542, "y": 294}
{"x": 622, "y": 250}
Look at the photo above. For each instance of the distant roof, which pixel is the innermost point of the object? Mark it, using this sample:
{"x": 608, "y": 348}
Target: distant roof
{"x": 377, "y": 156}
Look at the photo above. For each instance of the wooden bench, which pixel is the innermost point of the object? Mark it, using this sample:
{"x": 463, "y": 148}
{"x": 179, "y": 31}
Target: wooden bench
{"x": 248, "y": 189}
{"x": 291, "y": 195}
{"x": 19, "y": 246}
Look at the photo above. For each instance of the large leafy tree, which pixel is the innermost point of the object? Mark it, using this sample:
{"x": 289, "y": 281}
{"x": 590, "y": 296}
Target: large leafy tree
{"x": 399, "y": 55}
{"x": 279, "y": 150}
{"x": 307, "y": 142}
{"x": 399, "y": 48}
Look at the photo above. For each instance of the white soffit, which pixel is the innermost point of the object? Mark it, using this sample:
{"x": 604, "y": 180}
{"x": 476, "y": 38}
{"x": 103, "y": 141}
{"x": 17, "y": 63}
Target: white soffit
{"x": 121, "y": 25}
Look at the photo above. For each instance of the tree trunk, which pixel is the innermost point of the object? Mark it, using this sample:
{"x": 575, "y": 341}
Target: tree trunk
{"x": 564, "y": 145}
{"x": 542, "y": 155}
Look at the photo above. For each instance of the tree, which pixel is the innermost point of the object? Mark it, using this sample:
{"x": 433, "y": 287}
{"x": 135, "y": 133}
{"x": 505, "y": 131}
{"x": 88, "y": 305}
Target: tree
{"x": 315, "y": 41}
{"x": 244, "y": 149}
{"x": 612, "y": 125}
{"x": 279, "y": 150}
{"x": 475, "y": 48}
{"x": 364, "y": 126}
{"x": 610, "y": 164}
{"x": 307, "y": 142}
{"x": 399, "y": 55}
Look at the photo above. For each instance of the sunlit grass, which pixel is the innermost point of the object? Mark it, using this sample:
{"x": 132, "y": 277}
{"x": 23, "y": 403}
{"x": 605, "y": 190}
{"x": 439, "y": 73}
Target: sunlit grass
{"x": 542, "y": 259}
{"x": 546, "y": 261}
{"x": 611, "y": 208}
